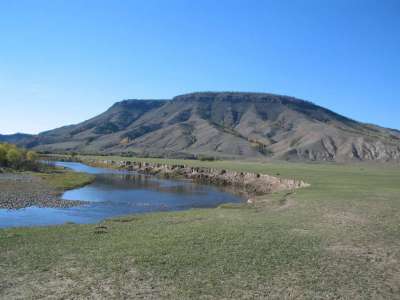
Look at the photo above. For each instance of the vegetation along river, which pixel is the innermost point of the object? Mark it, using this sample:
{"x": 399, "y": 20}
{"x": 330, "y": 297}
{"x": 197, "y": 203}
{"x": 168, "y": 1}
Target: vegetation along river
{"x": 115, "y": 193}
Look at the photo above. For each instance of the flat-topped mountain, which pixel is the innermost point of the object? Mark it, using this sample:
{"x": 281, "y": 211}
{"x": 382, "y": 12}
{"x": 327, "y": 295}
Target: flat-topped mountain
{"x": 225, "y": 124}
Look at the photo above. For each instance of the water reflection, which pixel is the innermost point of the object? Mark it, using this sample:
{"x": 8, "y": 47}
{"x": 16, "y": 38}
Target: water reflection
{"x": 116, "y": 193}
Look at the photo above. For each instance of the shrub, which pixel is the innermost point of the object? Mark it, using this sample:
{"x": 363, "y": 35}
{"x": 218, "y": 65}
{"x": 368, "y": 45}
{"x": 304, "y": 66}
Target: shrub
{"x": 205, "y": 158}
{"x": 32, "y": 156}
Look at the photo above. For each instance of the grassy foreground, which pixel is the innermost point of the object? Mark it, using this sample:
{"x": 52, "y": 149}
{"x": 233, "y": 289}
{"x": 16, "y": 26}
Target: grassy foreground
{"x": 339, "y": 238}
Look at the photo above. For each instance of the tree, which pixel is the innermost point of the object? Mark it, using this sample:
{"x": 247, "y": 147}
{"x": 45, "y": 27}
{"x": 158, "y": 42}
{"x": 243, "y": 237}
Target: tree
{"x": 14, "y": 157}
{"x": 3, "y": 155}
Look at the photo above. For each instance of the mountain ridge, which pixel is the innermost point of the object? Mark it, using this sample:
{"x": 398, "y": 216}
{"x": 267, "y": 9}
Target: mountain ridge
{"x": 15, "y": 137}
{"x": 225, "y": 124}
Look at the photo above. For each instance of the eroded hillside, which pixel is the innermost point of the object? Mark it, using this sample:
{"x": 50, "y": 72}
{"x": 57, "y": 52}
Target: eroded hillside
{"x": 245, "y": 125}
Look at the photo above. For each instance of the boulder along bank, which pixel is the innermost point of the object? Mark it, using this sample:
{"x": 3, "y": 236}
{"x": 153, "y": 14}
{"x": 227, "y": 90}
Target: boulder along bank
{"x": 247, "y": 183}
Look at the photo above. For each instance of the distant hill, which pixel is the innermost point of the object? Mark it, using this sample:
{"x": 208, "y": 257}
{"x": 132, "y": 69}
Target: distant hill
{"x": 225, "y": 124}
{"x": 15, "y": 138}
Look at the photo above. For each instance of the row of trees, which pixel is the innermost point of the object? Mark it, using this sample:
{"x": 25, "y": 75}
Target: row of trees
{"x": 13, "y": 157}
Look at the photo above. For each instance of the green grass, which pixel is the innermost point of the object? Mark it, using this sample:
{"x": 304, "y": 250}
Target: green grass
{"x": 65, "y": 180}
{"x": 339, "y": 238}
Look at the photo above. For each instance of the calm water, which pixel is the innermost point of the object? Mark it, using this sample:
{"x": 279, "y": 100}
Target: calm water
{"x": 115, "y": 193}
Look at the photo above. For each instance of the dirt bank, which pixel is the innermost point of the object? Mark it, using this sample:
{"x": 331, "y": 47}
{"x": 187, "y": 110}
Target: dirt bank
{"x": 249, "y": 183}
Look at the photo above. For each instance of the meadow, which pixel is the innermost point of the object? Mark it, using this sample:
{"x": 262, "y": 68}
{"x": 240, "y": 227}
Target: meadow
{"x": 337, "y": 239}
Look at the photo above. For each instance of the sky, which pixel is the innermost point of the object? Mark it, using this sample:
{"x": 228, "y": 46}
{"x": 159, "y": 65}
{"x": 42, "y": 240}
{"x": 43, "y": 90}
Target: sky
{"x": 62, "y": 62}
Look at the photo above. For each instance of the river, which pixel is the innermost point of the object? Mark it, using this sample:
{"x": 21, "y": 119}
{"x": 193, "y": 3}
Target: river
{"x": 116, "y": 193}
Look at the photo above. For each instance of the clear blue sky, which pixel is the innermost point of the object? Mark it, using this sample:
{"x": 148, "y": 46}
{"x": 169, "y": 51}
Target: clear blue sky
{"x": 62, "y": 62}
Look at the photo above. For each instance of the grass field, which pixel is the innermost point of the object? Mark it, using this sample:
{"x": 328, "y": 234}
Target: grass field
{"x": 338, "y": 239}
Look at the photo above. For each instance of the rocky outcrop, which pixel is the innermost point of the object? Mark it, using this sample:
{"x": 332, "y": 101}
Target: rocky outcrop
{"x": 244, "y": 182}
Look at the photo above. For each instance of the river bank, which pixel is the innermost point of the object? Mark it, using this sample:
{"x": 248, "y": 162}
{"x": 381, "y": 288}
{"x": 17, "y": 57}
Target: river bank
{"x": 245, "y": 183}
{"x": 25, "y": 189}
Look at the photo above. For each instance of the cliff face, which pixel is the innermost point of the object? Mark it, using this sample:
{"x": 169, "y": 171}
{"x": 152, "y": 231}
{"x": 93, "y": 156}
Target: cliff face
{"x": 230, "y": 125}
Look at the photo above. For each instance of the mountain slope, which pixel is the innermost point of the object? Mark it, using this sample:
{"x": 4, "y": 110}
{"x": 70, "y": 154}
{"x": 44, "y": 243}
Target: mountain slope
{"x": 226, "y": 125}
